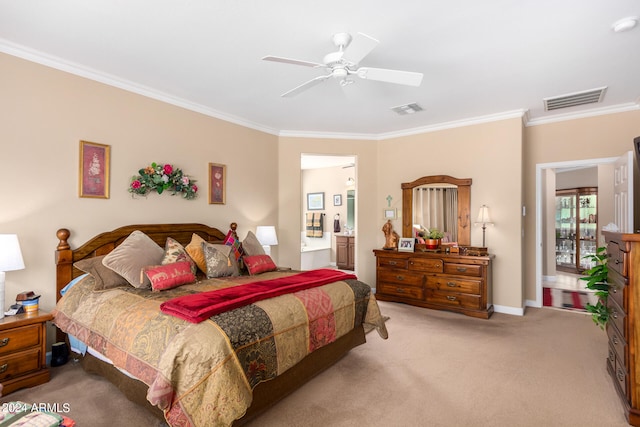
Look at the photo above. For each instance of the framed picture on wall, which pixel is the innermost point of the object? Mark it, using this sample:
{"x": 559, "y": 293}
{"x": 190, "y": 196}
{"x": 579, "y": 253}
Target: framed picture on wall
{"x": 94, "y": 170}
{"x": 390, "y": 213}
{"x": 315, "y": 201}
{"x": 217, "y": 184}
{"x": 337, "y": 200}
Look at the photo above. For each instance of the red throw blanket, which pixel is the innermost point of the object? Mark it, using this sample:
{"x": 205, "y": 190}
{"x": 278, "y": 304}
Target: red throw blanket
{"x": 198, "y": 307}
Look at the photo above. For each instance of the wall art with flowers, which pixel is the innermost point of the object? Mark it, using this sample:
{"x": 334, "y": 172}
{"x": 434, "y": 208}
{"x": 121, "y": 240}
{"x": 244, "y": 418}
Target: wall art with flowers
{"x": 217, "y": 183}
{"x": 159, "y": 178}
{"x": 94, "y": 170}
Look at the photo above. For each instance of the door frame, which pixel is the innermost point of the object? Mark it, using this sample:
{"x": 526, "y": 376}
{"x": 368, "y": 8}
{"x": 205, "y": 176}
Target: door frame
{"x": 540, "y": 167}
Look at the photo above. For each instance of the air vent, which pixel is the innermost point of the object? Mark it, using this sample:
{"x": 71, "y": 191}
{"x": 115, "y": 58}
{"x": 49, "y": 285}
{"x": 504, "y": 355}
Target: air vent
{"x": 572, "y": 99}
{"x": 407, "y": 109}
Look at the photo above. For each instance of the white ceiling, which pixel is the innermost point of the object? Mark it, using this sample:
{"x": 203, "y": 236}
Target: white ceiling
{"x": 481, "y": 59}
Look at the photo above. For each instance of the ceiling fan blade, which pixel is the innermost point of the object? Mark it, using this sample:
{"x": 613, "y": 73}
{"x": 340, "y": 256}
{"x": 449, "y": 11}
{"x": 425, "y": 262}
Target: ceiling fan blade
{"x": 391, "y": 76}
{"x": 305, "y": 86}
{"x": 360, "y": 46}
{"x": 291, "y": 61}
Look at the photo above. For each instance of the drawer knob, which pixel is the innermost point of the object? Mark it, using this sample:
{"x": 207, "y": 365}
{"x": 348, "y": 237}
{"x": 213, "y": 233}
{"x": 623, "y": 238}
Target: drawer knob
{"x": 617, "y": 261}
{"x": 4, "y": 341}
{"x": 451, "y": 284}
{"x": 461, "y": 269}
{"x": 3, "y": 368}
{"x": 614, "y": 314}
{"x": 450, "y": 298}
{"x": 615, "y": 340}
{"x": 611, "y": 356}
{"x": 620, "y": 375}
{"x": 393, "y": 263}
{"x": 399, "y": 290}
{"x": 400, "y": 278}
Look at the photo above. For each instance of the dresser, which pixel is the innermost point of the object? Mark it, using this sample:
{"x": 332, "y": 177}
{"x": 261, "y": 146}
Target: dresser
{"x": 435, "y": 280}
{"x": 23, "y": 339}
{"x": 345, "y": 252}
{"x": 623, "y": 327}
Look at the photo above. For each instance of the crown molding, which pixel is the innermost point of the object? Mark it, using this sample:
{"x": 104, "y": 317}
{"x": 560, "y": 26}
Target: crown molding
{"x": 70, "y": 67}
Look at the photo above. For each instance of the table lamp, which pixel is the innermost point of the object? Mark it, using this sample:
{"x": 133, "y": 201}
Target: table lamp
{"x": 266, "y": 235}
{"x": 10, "y": 259}
{"x": 484, "y": 220}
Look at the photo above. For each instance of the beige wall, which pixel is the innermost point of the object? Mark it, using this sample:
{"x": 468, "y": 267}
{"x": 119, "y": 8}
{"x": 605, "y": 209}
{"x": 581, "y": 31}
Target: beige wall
{"x": 45, "y": 113}
{"x": 581, "y": 139}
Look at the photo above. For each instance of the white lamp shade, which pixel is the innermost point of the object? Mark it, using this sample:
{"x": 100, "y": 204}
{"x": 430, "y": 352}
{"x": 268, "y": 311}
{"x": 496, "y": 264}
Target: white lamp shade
{"x": 266, "y": 235}
{"x": 483, "y": 215}
{"x": 10, "y": 254}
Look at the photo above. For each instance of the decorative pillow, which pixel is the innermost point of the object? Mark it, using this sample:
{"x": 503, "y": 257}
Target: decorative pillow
{"x": 220, "y": 260}
{"x": 128, "y": 259}
{"x": 175, "y": 252}
{"x": 168, "y": 276}
{"x": 235, "y": 244}
{"x": 257, "y": 264}
{"x": 105, "y": 278}
{"x": 251, "y": 245}
{"x": 195, "y": 251}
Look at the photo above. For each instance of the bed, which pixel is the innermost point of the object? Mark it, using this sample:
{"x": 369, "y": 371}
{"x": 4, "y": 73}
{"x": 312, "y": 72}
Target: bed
{"x": 227, "y": 368}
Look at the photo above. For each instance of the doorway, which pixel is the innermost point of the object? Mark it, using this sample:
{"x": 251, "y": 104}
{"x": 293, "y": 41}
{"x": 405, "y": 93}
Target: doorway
{"x": 544, "y": 213}
{"x": 335, "y": 178}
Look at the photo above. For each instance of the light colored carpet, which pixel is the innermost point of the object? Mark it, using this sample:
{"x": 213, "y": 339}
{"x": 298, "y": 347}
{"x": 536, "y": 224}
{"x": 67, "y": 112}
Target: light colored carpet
{"x": 546, "y": 368}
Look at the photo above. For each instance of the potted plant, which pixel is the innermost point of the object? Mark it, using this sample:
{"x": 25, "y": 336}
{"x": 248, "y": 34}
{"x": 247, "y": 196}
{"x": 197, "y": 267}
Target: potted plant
{"x": 432, "y": 237}
{"x": 596, "y": 278}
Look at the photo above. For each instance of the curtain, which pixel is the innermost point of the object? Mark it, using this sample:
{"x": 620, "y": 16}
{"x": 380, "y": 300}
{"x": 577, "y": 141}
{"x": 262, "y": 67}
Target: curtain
{"x": 437, "y": 208}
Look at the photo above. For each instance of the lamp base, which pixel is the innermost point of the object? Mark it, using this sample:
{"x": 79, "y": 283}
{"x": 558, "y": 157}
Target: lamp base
{"x": 267, "y": 249}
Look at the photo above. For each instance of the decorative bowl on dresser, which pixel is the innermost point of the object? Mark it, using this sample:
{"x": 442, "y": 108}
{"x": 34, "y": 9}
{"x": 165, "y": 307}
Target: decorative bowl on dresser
{"x": 23, "y": 340}
{"x": 435, "y": 280}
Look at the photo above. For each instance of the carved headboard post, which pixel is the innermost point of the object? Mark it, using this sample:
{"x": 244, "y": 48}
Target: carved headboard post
{"x": 64, "y": 261}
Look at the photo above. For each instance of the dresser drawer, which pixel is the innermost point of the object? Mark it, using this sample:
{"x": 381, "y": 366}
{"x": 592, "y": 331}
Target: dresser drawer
{"x": 453, "y": 299}
{"x": 19, "y": 363}
{"x": 426, "y": 264}
{"x": 617, "y": 342}
{"x": 617, "y": 258}
{"x": 400, "y": 290}
{"x": 618, "y": 289}
{"x": 19, "y": 338}
{"x": 454, "y": 284}
{"x": 400, "y": 277}
{"x": 388, "y": 262}
{"x": 620, "y": 374}
{"x": 618, "y": 317}
{"x": 463, "y": 269}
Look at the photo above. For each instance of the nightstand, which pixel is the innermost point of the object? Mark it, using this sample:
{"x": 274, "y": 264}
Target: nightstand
{"x": 23, "y": 339}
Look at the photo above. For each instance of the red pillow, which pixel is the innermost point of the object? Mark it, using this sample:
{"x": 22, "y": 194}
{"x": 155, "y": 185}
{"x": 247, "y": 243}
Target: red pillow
{"x": 257, "y": 264}
{"x": 163, "y": 277}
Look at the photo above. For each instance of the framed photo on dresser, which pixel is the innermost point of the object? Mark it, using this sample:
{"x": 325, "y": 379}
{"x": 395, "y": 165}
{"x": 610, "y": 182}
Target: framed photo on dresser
{"x": 406, "y": 244}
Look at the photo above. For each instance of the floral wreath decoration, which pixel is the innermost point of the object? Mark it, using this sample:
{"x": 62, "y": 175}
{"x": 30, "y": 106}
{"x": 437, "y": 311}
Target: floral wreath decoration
{"x": 159, "y": 178}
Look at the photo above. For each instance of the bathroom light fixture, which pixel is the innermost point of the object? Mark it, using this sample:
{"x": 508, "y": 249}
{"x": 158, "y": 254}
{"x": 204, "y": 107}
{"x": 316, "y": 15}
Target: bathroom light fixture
{"x": 350, "y": 182}
{"x": 266, "y": 235}
{"x": 625, "y": 24}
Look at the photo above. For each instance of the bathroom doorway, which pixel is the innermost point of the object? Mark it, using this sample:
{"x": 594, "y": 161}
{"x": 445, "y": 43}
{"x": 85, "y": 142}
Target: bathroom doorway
{"x": 331, "y": 178}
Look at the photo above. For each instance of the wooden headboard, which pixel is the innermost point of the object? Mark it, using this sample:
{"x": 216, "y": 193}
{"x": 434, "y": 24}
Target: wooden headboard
{"x": 104, "y": 243}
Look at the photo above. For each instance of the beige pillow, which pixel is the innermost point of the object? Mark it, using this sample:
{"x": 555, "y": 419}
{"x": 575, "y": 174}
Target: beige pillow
{"x": 195, "y": 251}
{"x": 104, "y": 277}
{"x": 220, "y": 260}
{"x": 175, "y": 252}
{"x": 128, "y": 259}
{"x": 251, "y": 245}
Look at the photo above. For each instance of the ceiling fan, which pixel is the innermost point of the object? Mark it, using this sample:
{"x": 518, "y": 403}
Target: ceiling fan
{"x": 344, "y": 64}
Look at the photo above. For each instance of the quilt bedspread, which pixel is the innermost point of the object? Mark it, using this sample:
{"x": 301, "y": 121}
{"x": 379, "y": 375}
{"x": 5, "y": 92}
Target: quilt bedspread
{"x": 202, "y": 374}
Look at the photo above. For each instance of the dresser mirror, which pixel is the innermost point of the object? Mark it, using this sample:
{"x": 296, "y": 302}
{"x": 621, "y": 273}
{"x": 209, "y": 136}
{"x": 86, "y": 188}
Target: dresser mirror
{"x": 463, "y": 219}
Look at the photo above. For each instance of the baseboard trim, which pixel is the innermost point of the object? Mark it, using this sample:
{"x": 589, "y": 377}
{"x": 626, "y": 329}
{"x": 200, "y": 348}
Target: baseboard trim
{"x": 505, "y": 309}
{"x": 532, "y": 303}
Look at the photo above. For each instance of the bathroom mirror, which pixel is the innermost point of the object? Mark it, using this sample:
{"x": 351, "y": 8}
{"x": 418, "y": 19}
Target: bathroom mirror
{"x": 463, "y": 218}
{"x": 351, "y": 203}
